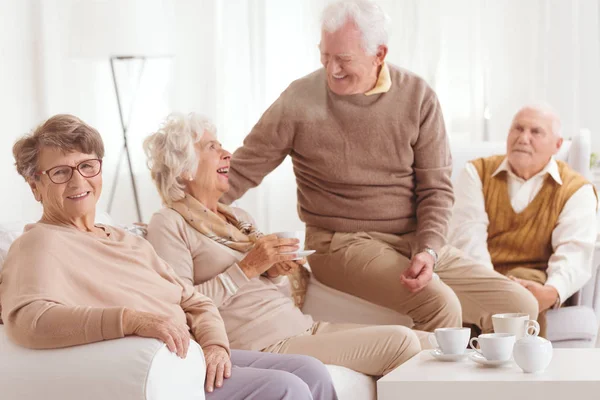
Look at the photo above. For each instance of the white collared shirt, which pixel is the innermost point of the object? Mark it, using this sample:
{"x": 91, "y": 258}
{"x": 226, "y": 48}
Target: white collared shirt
{"x": 573, "y": 238}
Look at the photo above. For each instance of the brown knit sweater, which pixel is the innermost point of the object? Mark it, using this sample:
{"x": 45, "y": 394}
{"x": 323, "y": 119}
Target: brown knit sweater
{"x": 362, "y": 163}
{"x": 63, "y": 287}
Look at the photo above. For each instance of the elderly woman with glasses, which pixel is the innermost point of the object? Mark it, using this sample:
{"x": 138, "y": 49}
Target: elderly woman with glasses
{"x": 68, "y": 281}
{"x": 220, "y": 250}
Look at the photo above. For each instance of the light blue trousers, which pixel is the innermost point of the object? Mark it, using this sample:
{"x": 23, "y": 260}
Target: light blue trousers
{"x": 268, "y": 376}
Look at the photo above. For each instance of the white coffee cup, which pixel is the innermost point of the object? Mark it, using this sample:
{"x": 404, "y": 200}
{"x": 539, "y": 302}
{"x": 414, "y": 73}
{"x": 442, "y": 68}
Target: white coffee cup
{"x": 494, "y": 346}
{"x": 518, "y": 324}
{"x": 451, "y": 340}
{"x": 290, "y": 235}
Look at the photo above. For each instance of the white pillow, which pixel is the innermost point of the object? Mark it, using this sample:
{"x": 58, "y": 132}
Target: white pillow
{"x": 8, "y": 234}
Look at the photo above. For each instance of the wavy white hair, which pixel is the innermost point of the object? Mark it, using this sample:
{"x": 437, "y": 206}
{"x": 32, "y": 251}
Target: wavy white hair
{"x": 368, "y": 16}
{"x": 171, "y": 153}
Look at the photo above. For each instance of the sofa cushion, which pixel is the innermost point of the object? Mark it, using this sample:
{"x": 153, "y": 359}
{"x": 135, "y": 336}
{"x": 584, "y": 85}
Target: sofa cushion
{"x": 352, "y": 385}
{"x": 8, "y": 234}
{"x": 326, "y": 304}
{"x": 572, "y": 323}
{"x": 122, "y": 369}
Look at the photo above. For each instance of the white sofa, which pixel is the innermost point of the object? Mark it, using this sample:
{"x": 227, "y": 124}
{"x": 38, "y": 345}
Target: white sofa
{"x": 575, "y": 325}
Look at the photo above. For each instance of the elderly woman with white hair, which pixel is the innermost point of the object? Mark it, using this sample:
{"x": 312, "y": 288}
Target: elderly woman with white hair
{"x": 68, "y": 281}
{"x": 220, "y": 250}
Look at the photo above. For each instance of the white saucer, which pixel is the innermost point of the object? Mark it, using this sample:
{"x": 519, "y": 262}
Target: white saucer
{"x": 437, "y": 354}
{"x": 301, "y": 254}
{"x": 479, "y": 359}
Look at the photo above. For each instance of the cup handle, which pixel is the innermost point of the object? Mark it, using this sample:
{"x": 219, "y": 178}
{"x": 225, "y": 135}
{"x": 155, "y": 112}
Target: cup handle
{"x": 472, "y": 344}
{"x": 433, "y": 342}
{"x": 533, "y": 328}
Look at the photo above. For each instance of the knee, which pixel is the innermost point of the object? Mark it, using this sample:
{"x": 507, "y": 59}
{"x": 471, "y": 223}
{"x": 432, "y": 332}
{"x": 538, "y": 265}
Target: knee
{"x": 521, "y": 300}
{"x": 402, "y": 345}
{"x": 313, "y": 372}
{"x": 306, "y": 366}
{"x": 446, "y": 303}
{"x": 288, "y": 386}
{"x": 411, "y": 343}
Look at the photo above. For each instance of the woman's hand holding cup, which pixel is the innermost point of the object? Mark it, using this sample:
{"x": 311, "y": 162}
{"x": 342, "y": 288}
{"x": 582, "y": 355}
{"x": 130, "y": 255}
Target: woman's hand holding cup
{"x": 267, "y": 251}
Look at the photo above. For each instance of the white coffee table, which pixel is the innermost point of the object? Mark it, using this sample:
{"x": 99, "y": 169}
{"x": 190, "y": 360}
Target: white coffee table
{"x": 573, "y": 374}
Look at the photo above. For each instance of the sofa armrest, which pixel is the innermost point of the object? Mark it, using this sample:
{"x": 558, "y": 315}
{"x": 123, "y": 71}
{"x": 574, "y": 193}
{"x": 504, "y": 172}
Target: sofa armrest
{"x": 122, "y": 369}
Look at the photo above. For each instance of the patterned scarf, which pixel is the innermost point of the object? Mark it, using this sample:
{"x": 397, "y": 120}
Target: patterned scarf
{"x": 235, "y": 234}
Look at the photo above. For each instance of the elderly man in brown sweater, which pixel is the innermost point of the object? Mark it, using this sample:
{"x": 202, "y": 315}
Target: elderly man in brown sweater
{"x": 372, "y": 164}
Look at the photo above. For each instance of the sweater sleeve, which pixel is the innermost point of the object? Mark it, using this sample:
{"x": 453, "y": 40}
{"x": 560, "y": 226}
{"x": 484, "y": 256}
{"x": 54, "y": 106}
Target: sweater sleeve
{"x": 267, "y": 145}
{"x": 171, "y": 243}
{"x": 203, "y": 318}
{"x": 33, "y": 316}
{"x": 433, "y": 168}
{"x": 202, "y": 315}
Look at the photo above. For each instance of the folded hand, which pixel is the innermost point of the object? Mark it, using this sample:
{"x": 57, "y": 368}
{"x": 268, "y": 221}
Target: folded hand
{"x": 419, "y": 272}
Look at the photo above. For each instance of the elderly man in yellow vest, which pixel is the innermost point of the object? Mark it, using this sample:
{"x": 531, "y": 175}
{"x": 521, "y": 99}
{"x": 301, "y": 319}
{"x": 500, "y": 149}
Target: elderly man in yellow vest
{"x": 526, "y": 215}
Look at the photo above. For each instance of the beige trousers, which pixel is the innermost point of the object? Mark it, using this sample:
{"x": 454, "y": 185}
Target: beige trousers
{"x": 371, "y": 350}
{"x": 368, "y": 265}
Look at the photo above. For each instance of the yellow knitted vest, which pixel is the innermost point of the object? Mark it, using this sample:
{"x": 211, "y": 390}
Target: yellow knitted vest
{"x": 523, "y": 239}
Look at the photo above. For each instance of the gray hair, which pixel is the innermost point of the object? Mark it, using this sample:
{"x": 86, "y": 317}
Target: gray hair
{"x": 62, "y": 131}
{"x": 368, "y": 16}
{"x": 548, "y": 111}
{"x": 171, "y": 153}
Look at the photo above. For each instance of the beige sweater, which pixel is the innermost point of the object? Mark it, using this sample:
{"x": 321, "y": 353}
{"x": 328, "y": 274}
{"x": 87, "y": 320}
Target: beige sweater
{"x": 256, "y": 311}
{"x": 63, "y": 287}
{"x": 362, "y": 163}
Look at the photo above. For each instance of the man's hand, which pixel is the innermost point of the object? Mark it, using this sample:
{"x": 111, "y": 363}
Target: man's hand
{"x": 545, "y": 295}
{"x": 419, "y": 273}
{"x": 218, "y": 366}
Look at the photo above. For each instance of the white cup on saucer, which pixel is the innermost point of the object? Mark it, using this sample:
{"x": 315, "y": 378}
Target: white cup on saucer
{"x": 494, "y": 346}
{"x": 301, "y": 252}
{"x": 289, "y": 235}
{"x": 518, "y": 324}
{"x": 450, "y": 341}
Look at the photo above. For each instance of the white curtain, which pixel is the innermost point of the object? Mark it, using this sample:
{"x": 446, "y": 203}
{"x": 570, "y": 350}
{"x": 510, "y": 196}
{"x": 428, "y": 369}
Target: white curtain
{"x": 232, "y": 58}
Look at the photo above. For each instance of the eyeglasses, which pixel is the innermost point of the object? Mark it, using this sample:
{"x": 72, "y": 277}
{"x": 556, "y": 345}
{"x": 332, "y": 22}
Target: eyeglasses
{"x": 64, "y": 173}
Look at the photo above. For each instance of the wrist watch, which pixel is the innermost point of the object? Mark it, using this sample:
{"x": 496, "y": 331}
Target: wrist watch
{"x": 433, "y": 254}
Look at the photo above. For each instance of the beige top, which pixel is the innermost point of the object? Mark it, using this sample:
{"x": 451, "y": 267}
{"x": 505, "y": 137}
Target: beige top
{"x": 256, "y": 312}
{"x": 63, "y": 287}
{"x": 362, "y": 163}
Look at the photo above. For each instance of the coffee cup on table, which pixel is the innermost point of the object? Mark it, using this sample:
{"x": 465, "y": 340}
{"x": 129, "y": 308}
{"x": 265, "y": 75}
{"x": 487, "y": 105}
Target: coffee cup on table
{"x": 494, "y": 346}
{"x": 517, "y": 324}
{"x": 451, "y": 341}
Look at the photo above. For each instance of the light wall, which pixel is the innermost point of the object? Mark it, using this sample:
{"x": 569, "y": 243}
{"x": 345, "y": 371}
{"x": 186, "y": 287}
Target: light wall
{"x": 19, "y": 102}
{"x": 233, "y": 58}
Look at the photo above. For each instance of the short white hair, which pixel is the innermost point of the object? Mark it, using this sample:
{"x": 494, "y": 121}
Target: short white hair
{"x": 549, "y": 112}
{"x": 368, "y": 16}
{"x": 171, "y": 153}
